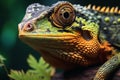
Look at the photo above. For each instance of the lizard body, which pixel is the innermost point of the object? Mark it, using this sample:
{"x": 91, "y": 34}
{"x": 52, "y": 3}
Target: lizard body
{"x": 69, "y": 35}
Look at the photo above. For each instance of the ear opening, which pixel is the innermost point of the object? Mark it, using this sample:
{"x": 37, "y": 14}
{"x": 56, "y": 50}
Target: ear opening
{"x": 86, "y": 35}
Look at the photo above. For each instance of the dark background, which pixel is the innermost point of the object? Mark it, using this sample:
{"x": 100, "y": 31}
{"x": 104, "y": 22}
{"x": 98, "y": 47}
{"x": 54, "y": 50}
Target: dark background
{"x": 11, "y": 13}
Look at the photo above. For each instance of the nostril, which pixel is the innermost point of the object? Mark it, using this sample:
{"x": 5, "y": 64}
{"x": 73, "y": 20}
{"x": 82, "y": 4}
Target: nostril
{"x": 29, "y": 27}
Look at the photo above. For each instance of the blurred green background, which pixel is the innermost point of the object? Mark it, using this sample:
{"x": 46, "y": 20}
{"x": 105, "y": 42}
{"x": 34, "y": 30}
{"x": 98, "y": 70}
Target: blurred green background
{"x": 11, "y": 13}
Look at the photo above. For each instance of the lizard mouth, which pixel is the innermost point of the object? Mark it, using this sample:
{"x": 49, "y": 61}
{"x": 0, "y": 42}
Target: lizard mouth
{"x": 47, "y": 42}
{"x": 48, "y": 36}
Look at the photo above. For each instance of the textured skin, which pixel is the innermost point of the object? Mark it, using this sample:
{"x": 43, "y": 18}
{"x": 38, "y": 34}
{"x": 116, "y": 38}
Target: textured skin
{"x": 81, "y": 42}
{"x": 107, "y": 68}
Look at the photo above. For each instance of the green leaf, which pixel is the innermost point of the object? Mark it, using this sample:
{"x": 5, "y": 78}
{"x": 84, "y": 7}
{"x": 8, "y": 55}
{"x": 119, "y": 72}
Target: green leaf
{"x": 42, "y": 62}
{"x": 32, "y": 62}
{"x": 40, "y": 67}
{"x": 40, "y": 70}
{"x": 2, "y": 59}
{"x": 21, "y": 75}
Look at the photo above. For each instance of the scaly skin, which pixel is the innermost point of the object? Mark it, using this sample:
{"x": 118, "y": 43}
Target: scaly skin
{"x": 107, "y": 68}
{"x": 69, "y": 35}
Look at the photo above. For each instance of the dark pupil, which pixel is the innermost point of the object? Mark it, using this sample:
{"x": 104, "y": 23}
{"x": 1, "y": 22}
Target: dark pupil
{"x": 66, "y": 15}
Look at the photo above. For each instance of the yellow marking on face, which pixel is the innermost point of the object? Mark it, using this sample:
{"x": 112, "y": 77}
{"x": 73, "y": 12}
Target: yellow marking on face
{"x": 75, "y": 24}
{"x": 107, "y": 19}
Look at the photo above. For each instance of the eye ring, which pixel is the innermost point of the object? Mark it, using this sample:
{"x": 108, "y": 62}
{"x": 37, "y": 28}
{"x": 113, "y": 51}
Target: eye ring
{"x": 63, "y": 15}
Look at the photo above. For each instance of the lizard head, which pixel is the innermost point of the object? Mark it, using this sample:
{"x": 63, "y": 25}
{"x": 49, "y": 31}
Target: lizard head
{"x": 58, "y": 32}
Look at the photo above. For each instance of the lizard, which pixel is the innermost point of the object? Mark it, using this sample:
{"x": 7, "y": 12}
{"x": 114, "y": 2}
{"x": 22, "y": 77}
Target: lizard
{"x": 69, "y": 35}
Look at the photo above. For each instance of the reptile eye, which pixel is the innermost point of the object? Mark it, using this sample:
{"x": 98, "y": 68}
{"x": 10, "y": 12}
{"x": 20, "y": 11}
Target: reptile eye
{"x": 63, "y": 15}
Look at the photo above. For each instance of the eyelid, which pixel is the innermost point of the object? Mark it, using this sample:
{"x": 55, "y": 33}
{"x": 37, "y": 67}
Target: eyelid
{"x": 63, "y": 15}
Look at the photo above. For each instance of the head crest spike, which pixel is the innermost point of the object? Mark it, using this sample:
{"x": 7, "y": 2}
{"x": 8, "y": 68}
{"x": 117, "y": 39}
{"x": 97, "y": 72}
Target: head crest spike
{"x": 116, "y": 10}
{"x": 89, "y": 6}
{"x": 94, "y": 7}
{"x": 107, "y": 10}
{"x": 98, "y": 8}
{"x": 112, "y": 10}
{"x": 103, "y": 9}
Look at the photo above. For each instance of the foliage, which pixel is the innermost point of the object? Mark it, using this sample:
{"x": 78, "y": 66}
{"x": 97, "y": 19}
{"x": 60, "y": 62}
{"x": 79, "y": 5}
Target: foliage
{"x": 2, "y": 59}
{"x": 40, "y": 70}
